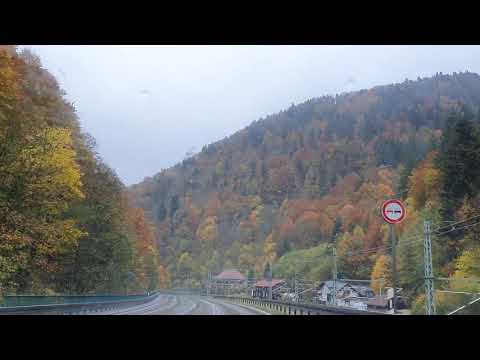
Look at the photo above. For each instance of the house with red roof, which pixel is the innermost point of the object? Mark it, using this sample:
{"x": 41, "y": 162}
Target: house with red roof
{"x": 227, "y": 282}
{"x": 261, "y": 288}
{"x": 231, "y": 275}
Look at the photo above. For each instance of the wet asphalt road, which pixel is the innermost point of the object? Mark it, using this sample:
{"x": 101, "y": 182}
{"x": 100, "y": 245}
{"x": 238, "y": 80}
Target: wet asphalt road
{"x": 169, "y": 304}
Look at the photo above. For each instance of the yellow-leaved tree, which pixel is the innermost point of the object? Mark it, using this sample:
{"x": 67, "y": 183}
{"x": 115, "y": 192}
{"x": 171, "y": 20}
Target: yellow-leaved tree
{"x": 468, "y": 266}
{"x": 269, "y": 249}
{"x": 381, "y": 273}
{"x": 43, "y": 180}
{"x": 425, "y": 183}
{"x": 207, "y": 232}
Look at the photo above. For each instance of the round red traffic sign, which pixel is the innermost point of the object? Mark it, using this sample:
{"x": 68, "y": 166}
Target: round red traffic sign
{"x": 393, "y": 211}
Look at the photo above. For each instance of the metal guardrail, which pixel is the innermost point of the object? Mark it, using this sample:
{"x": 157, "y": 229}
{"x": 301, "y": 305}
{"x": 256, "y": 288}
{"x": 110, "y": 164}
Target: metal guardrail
{"x": 289, "y": 308}
{"x": 32, "y": 300}
{"x": 71, "y": 305}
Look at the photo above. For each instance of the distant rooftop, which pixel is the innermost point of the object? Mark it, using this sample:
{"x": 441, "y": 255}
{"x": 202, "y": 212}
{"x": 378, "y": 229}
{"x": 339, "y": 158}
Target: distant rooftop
{"x": 265, "y": 283}
{"x": 329, "y": 284}
{"x": 230, "y": 274}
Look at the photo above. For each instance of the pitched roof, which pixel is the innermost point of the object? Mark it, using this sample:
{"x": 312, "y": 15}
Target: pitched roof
{"x": 231, "y": 274}
{"x": 265, "y": 283}
{"x": 363, "y": 291}
{"x": 329, "y": 284}
{"x": 379, "y": 301}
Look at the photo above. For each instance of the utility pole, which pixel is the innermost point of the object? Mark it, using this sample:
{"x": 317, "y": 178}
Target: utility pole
{"x": 394, "y": 267}
{"x": 270, "y": 294}
{"x": 295, "y": 286}
{"x": 334, "y": 274}
{"x": 269, "y": 274}
{"x": 428, "y": 267}
{"x": 208, "y": 284}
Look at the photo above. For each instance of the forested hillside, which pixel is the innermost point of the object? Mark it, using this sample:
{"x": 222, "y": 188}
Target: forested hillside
{"x": 282, "y": 189}
{"x": 66, "y": 225}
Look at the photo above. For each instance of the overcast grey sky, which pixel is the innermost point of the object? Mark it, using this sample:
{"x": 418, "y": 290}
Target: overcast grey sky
{"x": 148, "y": 105}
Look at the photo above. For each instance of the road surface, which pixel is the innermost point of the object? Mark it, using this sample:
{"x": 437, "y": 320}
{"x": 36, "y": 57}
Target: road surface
{"x": 169, "y": 304}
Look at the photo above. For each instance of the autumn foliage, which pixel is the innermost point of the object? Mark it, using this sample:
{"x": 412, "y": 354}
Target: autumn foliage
{"x": 313, "y": 174}
{"x": 64, "y": 214}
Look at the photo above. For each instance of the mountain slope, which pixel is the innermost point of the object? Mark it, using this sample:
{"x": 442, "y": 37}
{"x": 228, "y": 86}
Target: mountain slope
{"x": 296, "y": 179}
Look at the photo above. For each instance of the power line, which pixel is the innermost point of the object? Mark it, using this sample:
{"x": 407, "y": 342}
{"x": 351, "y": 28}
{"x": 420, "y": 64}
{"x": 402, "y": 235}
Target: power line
{"x": 456, "y": 292}
{"x": 455, "y": 223}
{"x": 415, "y": 238}
{"x": 460, "y": 228}
{"x": 459, "y": 279}
{"x": 359, "y": 280}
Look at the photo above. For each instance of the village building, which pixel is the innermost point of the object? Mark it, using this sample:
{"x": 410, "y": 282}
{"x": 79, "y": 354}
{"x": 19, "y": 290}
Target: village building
{"x": 378, "y": 303}
{"x": 325, "y": 292}
{"x": 360, "y": 297}
{"x": 402, "y": 301}
{"x": 261, "y": 288}
{"x": 227, "y": 282}
{"x": 349, "y": 295}
{"x": 231, "y": 276}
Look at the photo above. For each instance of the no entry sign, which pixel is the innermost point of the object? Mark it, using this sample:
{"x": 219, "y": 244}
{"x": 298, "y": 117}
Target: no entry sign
{"x": 393, "y": 211}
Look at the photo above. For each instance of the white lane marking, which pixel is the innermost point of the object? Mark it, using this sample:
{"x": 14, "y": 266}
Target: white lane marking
{"x": 157, "y": 305}
{"x": 204, "y": 307}
{"x": 168, "y": 306}
{"x": 235, "y": 309}
{"x": 216, "y": 310}
{"x": 185, "y": 305}
{"x": 156, "y": 310}
{"x": 190, "y": 309}
{"x": 210, "y": 307}
{"x": 140, "y": 308}
{"x": 253, "y": 309}
{"x": 181, "y": 305}
{"x": 233, "y": 305}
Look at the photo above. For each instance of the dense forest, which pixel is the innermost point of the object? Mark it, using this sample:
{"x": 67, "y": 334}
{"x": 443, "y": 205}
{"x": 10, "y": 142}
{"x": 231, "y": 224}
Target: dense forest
{"x": 287, "y": 187}
{"x": 66, "y": 224}
{"x": 280, "y": 192}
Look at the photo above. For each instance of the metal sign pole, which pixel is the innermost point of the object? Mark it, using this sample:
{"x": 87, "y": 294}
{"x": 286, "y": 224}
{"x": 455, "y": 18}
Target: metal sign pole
{"x": 334, "y": 276}
{"x": 394, "y": 212}
{"x": 394, "y": 267}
